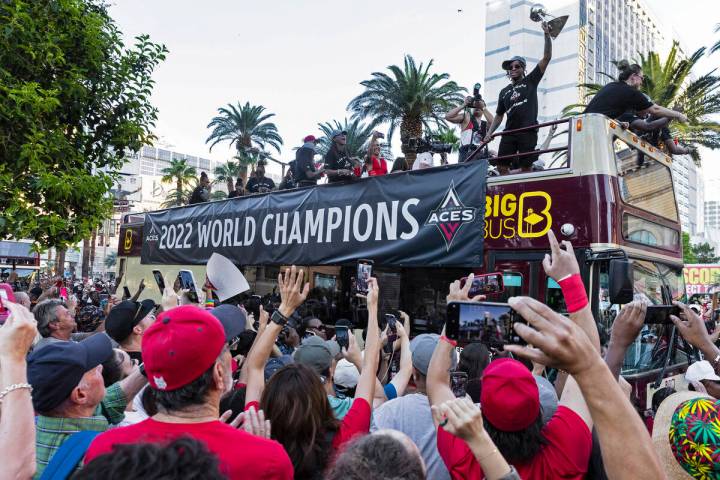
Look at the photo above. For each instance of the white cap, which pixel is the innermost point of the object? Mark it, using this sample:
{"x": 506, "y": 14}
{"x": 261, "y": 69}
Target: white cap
{"x": 346, "y": 374}
{"x": 227, "y": 280}
{"x": 701, "y": 371}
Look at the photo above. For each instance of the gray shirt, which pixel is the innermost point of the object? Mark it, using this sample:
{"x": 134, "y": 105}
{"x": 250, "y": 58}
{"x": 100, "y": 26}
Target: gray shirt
{"x": 45, "y": 341}
{"x": 411, "y": 415}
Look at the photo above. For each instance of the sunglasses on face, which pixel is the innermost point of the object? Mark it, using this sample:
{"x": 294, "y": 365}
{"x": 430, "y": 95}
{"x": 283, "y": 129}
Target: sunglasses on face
{"x": 517, "y": 66}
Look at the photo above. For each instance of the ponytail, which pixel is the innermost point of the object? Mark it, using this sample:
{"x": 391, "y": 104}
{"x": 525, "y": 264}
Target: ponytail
{"x": 627, "y": 69}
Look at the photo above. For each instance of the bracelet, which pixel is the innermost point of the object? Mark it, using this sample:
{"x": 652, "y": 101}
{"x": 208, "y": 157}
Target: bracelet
{"x": 14, "y": 386}
{"x": 574, "y": 292}
{"x": 451, "y": 342}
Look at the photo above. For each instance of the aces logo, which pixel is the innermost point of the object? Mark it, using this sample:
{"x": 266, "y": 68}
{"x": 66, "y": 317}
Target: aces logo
{"x": 450, "y": 216}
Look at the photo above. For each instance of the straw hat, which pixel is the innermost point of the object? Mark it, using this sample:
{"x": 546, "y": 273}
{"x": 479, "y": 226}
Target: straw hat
{"x": 661, "y": 429}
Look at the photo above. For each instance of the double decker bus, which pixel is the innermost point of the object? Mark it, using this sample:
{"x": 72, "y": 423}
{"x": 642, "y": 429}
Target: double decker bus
{"x": 18, "y": 257}
{"x": 604, "y": 189}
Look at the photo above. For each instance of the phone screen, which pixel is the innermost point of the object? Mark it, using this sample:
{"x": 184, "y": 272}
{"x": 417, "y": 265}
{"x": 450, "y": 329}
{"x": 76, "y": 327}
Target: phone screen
{"x": 63, "y": 293}
{"x": 342, "y": 336}
{"x": 364, "y": 272}
{"x": 487, "y": 322}
{"x": 458, "y": 383}
{"x": 486, "y": 284}
{"x": 392, "y": 327}
{"x": 187, "y": 282}
{"x": 160, "y": 281}
{"x": 661, "y": 313}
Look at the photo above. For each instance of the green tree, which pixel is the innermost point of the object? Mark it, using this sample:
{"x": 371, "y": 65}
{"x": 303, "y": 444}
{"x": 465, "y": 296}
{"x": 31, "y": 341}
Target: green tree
{"x": 227, "y": 172}
{"x": 704, "y": 253}
{"x": 244, "y": 126}
{"x": 410, "y": 98}
{"x": 111, "y": 260}
{"x": 446, "y": 135}
{"x": 688, "y": 253}
{"x": 185, "y": 179}
{"x": 669, "y": 83}
{"x": 716, "y": 45}
{"x": 218, "y": 195}
{"x": 74, "y": 100}
{"x": 358, "y": 136}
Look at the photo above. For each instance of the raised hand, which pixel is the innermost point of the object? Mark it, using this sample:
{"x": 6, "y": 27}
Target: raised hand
{"x": 562, "y": 263}
{"x": 460, "y": 417}
{"x": 292, "y": 292}
{"x": 460, "y": 294}
{"x": 628, "y": 324}
{"x": 17, "y": 333}
{"x": 692, "y": 328}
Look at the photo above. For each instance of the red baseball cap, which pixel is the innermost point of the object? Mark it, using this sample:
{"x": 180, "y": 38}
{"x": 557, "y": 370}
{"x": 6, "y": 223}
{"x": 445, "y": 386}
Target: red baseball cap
{"x": 509, "y": 399}
{"x": 180, "y": 346}
{"x": 309, "y": 138}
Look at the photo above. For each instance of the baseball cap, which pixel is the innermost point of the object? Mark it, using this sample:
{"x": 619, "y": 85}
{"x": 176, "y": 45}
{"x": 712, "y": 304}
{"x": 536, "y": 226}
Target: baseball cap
{"x": 56, "y": 369}
{"x": 336, "y": 133}
{"x": 510, "y": 399}
{"x": 548, "y": 397}
{"x": 317, "y": 353}
{"x": 226, "y": 279}
{"x": 422, "y": 348}
{"x": 346, "y": 374}
{"x": 180, "y": 346}
{"x": 124, "y": 316}
{"x": 232, "y": 319}
{"x": 701, "y": 370}
{"x": 506, "y": 64}
{"x": 309, "y": 138}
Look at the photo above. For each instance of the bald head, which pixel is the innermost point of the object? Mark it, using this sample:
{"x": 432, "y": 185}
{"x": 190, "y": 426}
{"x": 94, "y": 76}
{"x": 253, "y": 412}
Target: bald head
{"x": 23, "y": 299}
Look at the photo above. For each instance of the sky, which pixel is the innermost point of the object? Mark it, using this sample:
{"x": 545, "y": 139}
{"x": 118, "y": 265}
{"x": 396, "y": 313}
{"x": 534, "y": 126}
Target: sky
{"x": 303, "y": 61}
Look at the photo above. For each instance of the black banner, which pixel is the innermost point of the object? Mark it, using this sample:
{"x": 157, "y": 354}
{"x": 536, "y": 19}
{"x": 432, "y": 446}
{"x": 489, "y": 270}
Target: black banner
{"x": 428, "y": 217}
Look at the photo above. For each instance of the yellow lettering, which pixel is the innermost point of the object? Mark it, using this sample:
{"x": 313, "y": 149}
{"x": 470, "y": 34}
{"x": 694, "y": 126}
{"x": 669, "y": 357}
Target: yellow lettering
{"x": 704, "y": 276}
{"x": 508, "y": 205}
{"x": 530, "y": 221}
{"x": 509, "y": 224}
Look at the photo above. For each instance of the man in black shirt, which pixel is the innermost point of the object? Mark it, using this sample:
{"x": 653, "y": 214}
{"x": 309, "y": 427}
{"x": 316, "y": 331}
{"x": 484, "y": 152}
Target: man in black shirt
{"x": 201, "y": 193}
{"x": 306, "y": 175}
{"x": 338, "y": 165}
{"x": 260, "y": 183}
{"x": 519, "y": 101}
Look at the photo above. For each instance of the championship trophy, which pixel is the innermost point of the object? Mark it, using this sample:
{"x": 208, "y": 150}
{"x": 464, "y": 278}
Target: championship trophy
{"x": 538, "y": 13}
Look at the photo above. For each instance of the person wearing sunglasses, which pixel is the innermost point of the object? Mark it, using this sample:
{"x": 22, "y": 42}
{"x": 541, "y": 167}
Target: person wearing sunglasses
{"x": 519, "y": 102}
{"x": 126, "y": 324}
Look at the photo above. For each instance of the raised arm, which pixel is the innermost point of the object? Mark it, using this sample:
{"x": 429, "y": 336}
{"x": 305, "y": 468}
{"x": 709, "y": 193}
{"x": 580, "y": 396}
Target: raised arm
{"x": 366, "y": 383}
{"x": 547, "y": 52}
{"x": 693, "y": 329}
{"x": 627, "y": 450}
{"x": 402, "y": 377}
{"x": 658, "y": 111}
{"x": 625, "y": 329}
{"x": 457, "y": 114}
{"x": 292, "y": 295}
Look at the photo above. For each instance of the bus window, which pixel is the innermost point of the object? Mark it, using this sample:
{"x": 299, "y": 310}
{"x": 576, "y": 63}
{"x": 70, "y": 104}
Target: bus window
{"x": 647, "y": 282}
{"x": 674, "y": 279}
{"x": 513, "y": 286}
{"x": 644, "y": 182}
{"x": 554, "y": 297}
{"x": 648, "y": 233}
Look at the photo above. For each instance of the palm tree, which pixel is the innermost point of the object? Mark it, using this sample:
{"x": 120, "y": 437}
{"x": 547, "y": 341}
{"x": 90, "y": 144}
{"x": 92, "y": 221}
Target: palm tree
{"x": 176, "y": 198}
{"x": 716, "y": 46}
{"x": 669, "y": 84}
{"x": 227, "y": 172}
{"x": 244, "y": 126}
{"x": 446, "y": 135}
{"x": 410, "y": 98}
{"x": 183, "y": 175}
{"x": 218, "y": 195}
{"x": 358, "y": 135}
{"x": 111, "y": 260}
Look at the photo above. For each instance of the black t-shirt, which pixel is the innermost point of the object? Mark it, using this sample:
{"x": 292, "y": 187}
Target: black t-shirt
{"x": 199, "y": 195}
{"x": 337, "y": 160}
{"x": 260, "y": 185}
{"x": 304, "y": 163}
{"x": 519, "y": 101}
{"x": 235, "y": 194}
{"x": 616, "y": 98}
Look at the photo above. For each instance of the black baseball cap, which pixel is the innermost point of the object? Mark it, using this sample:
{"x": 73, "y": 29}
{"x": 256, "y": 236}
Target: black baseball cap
{"x": 232, "y": 319}
{"x": 124, "y": 316}
{"x": 56, "y": 369}
{"x": 506, "y": 64}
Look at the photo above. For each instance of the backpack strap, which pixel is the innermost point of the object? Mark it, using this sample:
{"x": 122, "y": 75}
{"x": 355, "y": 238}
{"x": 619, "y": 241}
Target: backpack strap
{"x": 73, "y": 449}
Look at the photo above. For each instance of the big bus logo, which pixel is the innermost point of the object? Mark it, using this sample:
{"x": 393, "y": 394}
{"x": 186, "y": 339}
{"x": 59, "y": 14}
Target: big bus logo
{"x": 524, "y": 216}
{"x": 127, "y": 243}
{"x": 450, "y": 215}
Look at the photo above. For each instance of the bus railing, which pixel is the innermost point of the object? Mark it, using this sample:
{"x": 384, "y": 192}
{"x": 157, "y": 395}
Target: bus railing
{"x": 521, "y": 130}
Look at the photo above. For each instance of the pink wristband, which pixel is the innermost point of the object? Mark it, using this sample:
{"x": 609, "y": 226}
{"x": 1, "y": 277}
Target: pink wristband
{"x": 574, "y": 292}
{"x": 448, "y": 340}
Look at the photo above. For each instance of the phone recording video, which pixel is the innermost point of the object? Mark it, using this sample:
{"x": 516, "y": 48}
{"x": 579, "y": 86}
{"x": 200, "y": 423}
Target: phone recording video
{"x": 364, "y": 272}
{"x": 486, "y": 284}
{"x": 458, "y": 383}
{"x": 659, "y": 314}
{"x": 104, "y": 298}
{"x": 342, "y": 336}
{"x": 487, "y": 322}
{"x": 391, "y": 326}
{"x": 159, "y": 280}
{"x": 187, "y": 282}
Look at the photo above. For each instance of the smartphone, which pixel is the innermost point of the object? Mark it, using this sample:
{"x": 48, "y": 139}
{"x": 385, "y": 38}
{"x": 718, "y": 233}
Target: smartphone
{"x": 364, "y": 272}
{"x": 63, "y": 293}
{"x": 458, "y": 383}
{"x": 159, "y": 280}
{"x": 488, "y": 322}
{"x": 187, "y": 282}
{"x": 126, "y": 293}
{"x": 104, "y": 298}
{"x": 391, "y": 326}
{"x": 485, "y": 284}
{"x": 342, "y": 336}
{"x": 661, "y": 313}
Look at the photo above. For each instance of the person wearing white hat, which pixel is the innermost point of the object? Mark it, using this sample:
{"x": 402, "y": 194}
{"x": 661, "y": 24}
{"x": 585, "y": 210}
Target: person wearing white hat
{"x": 703, "y": 373}
{"x": 225, "y": 279}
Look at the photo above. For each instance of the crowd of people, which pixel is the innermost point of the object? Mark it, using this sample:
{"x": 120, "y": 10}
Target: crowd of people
{"x": 212, "y": 390}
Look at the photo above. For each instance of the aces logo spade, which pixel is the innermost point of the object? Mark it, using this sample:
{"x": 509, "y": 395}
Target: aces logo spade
{"x": 450, "y": 216}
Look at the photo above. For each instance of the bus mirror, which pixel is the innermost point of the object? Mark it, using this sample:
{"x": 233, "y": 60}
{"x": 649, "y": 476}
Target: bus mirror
{"x": 621, "y": 283}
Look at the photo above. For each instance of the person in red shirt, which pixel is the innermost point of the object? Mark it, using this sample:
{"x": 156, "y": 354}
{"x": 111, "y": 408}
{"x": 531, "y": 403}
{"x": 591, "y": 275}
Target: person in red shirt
{"x": 187, "y": 362}
{"x": 374, "y": 163}
{"x": 295, "y": 400}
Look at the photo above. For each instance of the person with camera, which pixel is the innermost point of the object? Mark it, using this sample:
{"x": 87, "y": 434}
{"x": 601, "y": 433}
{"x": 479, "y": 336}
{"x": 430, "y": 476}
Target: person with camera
{"x": 519, "y": 102}
{"x": 340, "y": 167}
{"x": 472, "y": 128}
{"x": 260, "y": 183}
{"x": 306, "y": 174}
{"x": 374, "y": 163}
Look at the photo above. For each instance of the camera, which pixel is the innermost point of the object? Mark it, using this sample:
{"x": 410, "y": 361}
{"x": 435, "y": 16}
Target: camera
{"x": 422, "y": 145}
{"x": 476, "y": 93}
